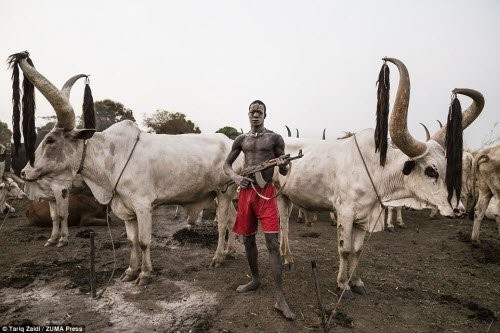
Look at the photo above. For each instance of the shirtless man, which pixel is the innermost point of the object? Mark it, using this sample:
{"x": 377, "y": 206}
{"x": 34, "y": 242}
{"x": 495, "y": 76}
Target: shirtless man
{"x": 259, "y": 145}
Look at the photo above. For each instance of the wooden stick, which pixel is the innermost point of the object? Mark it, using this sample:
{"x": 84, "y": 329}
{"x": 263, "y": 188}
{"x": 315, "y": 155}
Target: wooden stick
{"x": 318, "y": 295}
{"x": 92, "y": 266}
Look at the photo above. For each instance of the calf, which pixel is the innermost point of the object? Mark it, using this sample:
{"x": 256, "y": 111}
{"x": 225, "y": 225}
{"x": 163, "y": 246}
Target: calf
{"x": 83, "y": 210}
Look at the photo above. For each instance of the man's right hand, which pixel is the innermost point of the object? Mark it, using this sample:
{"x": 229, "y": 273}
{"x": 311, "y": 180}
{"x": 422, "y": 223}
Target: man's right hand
{"x": 242, "y": 181}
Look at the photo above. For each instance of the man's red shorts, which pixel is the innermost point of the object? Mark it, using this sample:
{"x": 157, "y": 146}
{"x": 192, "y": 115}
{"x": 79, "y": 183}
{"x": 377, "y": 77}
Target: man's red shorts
{"x": 251, "y": 207}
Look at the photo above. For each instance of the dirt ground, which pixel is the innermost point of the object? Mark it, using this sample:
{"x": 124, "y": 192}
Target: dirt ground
{"x": 425, "y": 278}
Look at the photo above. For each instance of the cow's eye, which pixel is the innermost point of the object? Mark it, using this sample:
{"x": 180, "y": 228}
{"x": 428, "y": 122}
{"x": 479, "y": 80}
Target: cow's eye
{"x": 431, "y": 172}
{"x": 50, "y": 141}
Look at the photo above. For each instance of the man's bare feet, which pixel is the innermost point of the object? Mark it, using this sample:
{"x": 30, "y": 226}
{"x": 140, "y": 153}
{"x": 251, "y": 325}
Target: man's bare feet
{"x": 252, "y": 285}
{"x": 282, "y": 307}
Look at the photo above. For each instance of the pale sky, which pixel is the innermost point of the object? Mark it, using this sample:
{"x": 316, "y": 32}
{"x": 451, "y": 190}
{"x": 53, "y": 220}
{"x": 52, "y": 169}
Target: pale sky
{"x": 314, "y": 63}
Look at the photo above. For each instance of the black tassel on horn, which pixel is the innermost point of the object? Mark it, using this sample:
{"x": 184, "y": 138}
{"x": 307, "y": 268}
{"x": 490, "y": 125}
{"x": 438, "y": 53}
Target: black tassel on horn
{"x": 16, "y": 107}
{"x": 88, "y": 107}
{"x": 382, "y": 113}
{"x": 29, "y": 130}
{"x": 27, "y": 105}
{"x": 454, "y": 150}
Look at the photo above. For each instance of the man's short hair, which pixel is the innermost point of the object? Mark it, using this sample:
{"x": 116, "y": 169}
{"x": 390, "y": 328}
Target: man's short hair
{"x": 257, "y": 102}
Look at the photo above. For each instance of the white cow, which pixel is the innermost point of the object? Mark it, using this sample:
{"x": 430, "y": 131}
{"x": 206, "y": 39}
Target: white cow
{"x": 133, "y": 170}
{"x": 486, "y": 185}
{"x": 332, "y": 176}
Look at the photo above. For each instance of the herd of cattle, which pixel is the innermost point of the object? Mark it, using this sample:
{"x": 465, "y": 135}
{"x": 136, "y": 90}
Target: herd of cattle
{"x": 134, "y": 172}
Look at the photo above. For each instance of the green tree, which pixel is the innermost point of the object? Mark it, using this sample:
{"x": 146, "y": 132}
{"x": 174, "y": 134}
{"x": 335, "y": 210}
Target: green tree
{"x": 229, "y": 131}
{"x": 42, "y": 131}
{"x": 108, "y": 112}
{"x": 5, "y": 133}
{"x": 166, "y": 122}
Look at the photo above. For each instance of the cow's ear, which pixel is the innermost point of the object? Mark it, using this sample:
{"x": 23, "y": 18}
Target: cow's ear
{"x": 408, "y": 167}
{"x": 83, "y": 134}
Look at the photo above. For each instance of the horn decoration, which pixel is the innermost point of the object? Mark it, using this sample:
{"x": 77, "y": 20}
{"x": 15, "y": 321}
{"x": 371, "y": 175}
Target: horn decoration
{"x": 454, "y": 150}
{"x": 398, "y": 126}
{"x": 382, "y": 112}
{"x": 468, "y": 116}
{"x": 27, "y": 106}
{"x": 58, "y": 99}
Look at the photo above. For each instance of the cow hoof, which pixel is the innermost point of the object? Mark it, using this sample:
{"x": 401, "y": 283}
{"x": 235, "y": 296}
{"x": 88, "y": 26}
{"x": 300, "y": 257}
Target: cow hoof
{"x": 290, "y": 266}
{"x": 390, "y": 229}
{"x": 126, "y": 277}
{"x": 347, "y": 295}
{"x": 50, "y": 243}
{"x": 215, "y": 263}
{"x": 230, "y": 255}
{"x": 476, "y": 243}
{"x": 62, "y": 243}
{"x": 143, "y": 280}
{"x": 360, "y": 290}
{"x": 403, "y": 226}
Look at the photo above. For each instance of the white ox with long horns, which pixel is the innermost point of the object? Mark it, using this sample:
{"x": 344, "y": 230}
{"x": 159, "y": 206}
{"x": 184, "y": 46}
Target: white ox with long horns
{"x": 133, "y": 170}
{"x": 332, "y": 176}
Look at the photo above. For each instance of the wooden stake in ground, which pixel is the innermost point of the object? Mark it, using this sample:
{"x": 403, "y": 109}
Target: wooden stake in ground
{"x": 318, "y": 295}
{"x": 92, "y": 266}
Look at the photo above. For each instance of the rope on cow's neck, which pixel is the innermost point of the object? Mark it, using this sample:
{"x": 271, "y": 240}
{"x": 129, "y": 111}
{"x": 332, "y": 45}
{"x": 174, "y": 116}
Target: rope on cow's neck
{"x": 80, "y": 167}
{"x": 280, "y": 189}
{"x": 107, "y": 216}
{"x": 361, "y": 251}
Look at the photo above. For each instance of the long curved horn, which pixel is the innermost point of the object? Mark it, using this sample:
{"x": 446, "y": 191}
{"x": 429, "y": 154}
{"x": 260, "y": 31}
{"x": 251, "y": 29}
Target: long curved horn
{"x": 324, "y": 137}
{"x": 66, "y": 89}
{"x": 440, "y": 123}
{"x": 60, "y": 103}
{"x": 468, "y": 116}
{"x": 297, "y": 132}
{"x": 398, "y": 127}
{"x": 427, "y": 134}
{"x": 288, "y": 130}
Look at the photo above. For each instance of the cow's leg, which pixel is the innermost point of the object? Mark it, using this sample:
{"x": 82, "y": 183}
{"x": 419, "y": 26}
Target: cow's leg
{"x": 479, "y": 211}
{"x": 344, "y": 238}
{"x": 333, "y": 218}
{"x": 226, "y": 215}
{"x": 285, "y": 209}
{"x": 310, "y": 217}
{"x": 144, "y": 223}
{"x": 390, "y": 226}
{"x": 433, "y": 213}
{"x": 62, "y": 203}
{"x": 56, "y": 231}
{"x": 132, "y": 272}
{"x": 300, "y": 216}
{"x": 399, "y": 217}
{"x": 176, "y": 214}
{"x": 358, "y": 237}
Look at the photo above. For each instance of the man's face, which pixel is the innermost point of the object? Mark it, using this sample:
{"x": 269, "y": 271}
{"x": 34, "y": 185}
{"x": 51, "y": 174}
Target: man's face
{"x": 256, "y": 114}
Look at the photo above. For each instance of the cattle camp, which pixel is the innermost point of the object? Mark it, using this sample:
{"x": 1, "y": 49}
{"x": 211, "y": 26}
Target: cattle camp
{"x": 304, "y": 170}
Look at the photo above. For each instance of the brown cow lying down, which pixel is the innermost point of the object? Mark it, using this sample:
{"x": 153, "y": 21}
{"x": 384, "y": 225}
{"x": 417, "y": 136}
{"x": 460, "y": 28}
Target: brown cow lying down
{"x": 84, "y": 210}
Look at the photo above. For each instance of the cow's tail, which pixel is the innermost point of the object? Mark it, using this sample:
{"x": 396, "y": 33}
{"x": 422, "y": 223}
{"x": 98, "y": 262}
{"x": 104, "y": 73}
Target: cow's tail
{"x": 88, "y": 107}
{"x": 26, "y": 106}
{"x": 382, "y": 112}
{"x": 476, "y": 162}
{"x": 454, "y": 150}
